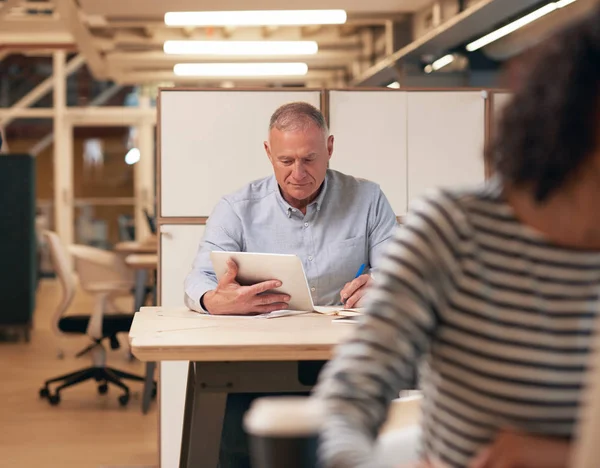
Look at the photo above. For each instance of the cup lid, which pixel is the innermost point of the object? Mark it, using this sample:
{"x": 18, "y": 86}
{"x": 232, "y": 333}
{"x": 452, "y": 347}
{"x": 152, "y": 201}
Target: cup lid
{"x": 284, "y": 416}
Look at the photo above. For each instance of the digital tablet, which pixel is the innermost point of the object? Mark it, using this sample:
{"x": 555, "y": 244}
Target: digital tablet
{"x": 258, "y": 267}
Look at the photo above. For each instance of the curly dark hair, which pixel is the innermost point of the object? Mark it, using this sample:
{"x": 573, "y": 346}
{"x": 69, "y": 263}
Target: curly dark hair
{"x": 551, "y": 125}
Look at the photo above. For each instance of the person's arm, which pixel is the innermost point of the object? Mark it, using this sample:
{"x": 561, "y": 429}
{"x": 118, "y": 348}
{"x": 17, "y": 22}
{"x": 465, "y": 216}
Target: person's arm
{"x": 513, "y": 449}
{"x": 381, "y": 225}
{"x": 223, "y": 232}
{"x": 368, "y": 371}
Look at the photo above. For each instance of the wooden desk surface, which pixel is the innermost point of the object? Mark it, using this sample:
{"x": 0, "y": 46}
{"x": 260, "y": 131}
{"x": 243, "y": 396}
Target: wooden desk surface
{"x": 163, "y": 334}
{"x": 142, "y": 261}
{"x": 136, "y": 247}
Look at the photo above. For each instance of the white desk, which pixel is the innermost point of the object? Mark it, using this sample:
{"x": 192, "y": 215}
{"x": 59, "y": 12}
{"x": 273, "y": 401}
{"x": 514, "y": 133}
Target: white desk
{"x": 230, "y": 355}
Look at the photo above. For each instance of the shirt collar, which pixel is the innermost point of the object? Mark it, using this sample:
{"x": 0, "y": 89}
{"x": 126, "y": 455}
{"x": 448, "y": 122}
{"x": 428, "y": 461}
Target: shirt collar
{"x": 318, "y": 202}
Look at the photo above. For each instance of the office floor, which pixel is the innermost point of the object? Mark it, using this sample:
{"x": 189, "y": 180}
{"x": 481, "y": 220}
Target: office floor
{"x": 86, "y": 430}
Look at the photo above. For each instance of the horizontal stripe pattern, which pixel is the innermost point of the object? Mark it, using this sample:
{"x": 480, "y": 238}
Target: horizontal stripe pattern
{"x": 502, "y": 316}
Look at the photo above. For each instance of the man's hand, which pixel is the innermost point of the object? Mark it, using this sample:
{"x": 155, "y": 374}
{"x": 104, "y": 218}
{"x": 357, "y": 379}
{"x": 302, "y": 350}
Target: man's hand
{"x": 513, "y": 449}
{"x": 229, "y": 298}
{"x": 354, "y": 291}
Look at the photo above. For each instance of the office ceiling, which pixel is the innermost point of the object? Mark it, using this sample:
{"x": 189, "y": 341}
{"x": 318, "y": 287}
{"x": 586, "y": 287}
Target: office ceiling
{"x": 122, "y": 40}
{"x": 157, "y": 8}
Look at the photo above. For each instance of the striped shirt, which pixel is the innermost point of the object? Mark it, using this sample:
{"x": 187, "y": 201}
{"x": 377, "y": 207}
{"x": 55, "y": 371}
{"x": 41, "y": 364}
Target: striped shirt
{"x": 497, "y": 316}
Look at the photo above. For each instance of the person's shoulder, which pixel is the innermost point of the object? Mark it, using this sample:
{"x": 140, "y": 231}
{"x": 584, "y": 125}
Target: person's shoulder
{"x": 461, "y": 200}
{"x": 452, "y": 208}
{"x": 253, "y": 191}
{"x": 347, "y": 182}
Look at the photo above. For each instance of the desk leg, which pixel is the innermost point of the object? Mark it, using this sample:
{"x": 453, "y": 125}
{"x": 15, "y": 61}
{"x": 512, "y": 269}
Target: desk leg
{"x": 141, "y": 278}
{"x": 148, "y": 386}
{"x": 202, "y": 424}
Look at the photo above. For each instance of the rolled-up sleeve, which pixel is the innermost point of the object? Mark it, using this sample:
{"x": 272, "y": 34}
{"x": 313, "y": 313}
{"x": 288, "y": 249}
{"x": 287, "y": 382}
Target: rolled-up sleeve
{"x": 223, "y": 232}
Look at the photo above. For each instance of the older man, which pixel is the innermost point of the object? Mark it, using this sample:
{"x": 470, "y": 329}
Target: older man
{"x": 332, "y": 221}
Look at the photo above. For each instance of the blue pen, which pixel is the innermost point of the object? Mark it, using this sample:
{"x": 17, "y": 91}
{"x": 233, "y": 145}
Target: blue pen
{"x": 360, "y": 271}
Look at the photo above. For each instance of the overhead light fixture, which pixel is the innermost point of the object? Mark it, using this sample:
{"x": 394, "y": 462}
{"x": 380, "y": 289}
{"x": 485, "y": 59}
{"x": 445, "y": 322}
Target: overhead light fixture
{"x": 439, "y": 63}
{"x": 512, "y": 27}
{"x": 255, "y": 18}
{"x": 132, "y": 156}
{"x": 394, "y": 85}
{"x": 241, "y": 47}
{"x": 240, "y": 69}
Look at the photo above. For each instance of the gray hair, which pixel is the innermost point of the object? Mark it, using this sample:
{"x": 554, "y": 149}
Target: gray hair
{"x": 296, "y": 116}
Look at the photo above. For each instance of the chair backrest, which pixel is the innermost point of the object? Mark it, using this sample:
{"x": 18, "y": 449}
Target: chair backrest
{"x": 96, "y": 266}
{"x": 64, "y": 272}
{"x": 151, "y": 220}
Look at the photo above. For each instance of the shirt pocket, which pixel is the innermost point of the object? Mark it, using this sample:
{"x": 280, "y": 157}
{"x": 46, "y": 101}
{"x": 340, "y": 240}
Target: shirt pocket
{"x": 344, "y": 259}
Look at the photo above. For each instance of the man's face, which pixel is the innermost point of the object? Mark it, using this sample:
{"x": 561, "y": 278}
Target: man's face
{"x": 299, "y": 160}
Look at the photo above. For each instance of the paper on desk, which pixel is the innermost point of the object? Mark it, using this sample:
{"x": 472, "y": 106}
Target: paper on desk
{"x": 281, "y": 313}
{"x": 338, "y": 310}
{"x": 325, "y": 310}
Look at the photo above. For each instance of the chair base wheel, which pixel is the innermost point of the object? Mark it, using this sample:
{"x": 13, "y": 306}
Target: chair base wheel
{"x": 102, "y": 388}
{"x": 44, "y": 392}
{"x": 54, "y": 399}
{"x": 124, "y": 399}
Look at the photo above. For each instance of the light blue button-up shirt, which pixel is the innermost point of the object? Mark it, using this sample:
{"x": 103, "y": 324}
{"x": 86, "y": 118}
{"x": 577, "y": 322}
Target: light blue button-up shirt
{"x": 347, "y": 225}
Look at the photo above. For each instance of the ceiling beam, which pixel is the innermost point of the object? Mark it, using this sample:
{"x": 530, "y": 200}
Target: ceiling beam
{"x": 477, "y": 19}
{"x": 374, "y": 19}
{"x": 31, "y": 25}
{"x": 168, "y": 76}
{"x": 69, "y": 14}
{"x": 97, "y": 101}
{"x": 7, "y": 6}
{"x": 37, "y": 93}
{"x": 327, "y": 37}
{"x": 133, "y": 60}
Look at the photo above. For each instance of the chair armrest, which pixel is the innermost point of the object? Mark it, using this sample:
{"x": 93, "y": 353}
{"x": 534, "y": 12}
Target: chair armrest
{"x": 109, "y": 287}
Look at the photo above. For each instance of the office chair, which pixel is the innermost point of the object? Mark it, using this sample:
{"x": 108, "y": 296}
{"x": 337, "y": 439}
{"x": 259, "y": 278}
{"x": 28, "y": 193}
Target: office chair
{"x": 151, "y": 220}
{"x": 104, "y": 275}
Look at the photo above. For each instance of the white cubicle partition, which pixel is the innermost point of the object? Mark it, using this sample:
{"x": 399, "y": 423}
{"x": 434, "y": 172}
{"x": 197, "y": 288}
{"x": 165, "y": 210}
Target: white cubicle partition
{"x": 370, "y": 139}
{"x": 211, "y": 144}
{"x": 446, "y": 135}
{"x": 409, "y": 141}
{"x": 178, "y": 246}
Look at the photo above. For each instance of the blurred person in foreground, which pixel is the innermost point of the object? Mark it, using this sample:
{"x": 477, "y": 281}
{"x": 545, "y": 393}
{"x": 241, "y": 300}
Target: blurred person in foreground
{"x": 495, "y": 290}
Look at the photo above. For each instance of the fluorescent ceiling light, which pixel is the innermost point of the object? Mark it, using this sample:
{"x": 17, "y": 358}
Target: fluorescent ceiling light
{"x": 132, "y": 156}
{"x": 254, "y": 18}
{"x": 394, "y": 85}
{"x": 512, "y": 27}
{"x": 564, "y": 3}
{"x": 441, "y": 63}
{"x": 240, "y": 69}
{"x": 241, "y": 47}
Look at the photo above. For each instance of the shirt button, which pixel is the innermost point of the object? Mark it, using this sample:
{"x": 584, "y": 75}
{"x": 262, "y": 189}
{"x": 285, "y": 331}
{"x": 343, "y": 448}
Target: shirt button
{"x": 313, "y": 289}
{"x": 305, "y": 224}
{"x": 310, "y": 257}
